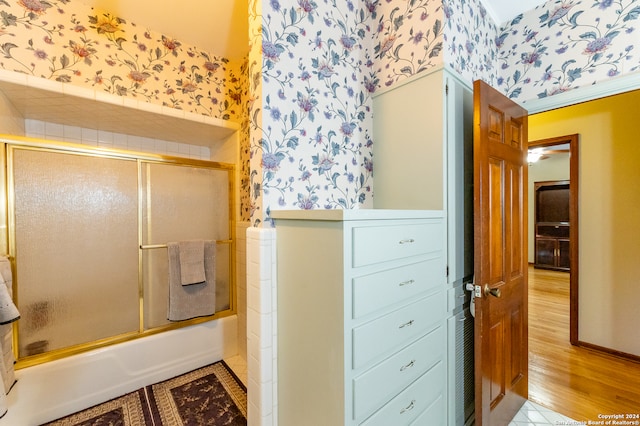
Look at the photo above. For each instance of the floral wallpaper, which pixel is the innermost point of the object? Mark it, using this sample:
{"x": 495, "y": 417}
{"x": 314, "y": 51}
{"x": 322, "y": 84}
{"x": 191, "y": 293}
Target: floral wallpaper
{"x": 469, "y": 38}
{"x": 322, "y": 60}
{"x": 311, "y": 117}
{"x": 409, "y": 39}
{"x": 69, "y": 42}
{"x": 303, "y": 96}
{"x": 565, "y": 44}
{"x": 311, "y": 101}
{"x": 560, "y": 45}
{"x": 417, "y": 36}
{"x": 255, "y": 113}
{"x": 244, "y": 168}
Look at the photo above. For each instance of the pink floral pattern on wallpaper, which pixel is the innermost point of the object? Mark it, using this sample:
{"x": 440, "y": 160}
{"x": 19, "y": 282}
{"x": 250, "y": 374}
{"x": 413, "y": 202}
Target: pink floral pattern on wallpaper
{"x": 70, "y": 43}
{"x": 409, "y": 39}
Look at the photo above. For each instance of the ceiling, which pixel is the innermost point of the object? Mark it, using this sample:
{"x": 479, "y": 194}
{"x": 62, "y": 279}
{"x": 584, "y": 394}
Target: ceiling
{"x": 503, "y": 10}
{"x": 220, "y": 27}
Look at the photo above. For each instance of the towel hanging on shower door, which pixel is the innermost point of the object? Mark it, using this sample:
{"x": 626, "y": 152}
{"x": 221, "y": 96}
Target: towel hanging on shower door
{"x": 194, "y": 300}
{"x": 191, "y": 255}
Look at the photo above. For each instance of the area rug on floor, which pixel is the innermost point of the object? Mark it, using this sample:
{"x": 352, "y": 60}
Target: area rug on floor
{"x": 210, "y": 395}
{"x": 128, "y": 410}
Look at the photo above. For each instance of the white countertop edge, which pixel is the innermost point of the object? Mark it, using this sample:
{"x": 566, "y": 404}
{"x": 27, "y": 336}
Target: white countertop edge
{"x": 355, "y": 214}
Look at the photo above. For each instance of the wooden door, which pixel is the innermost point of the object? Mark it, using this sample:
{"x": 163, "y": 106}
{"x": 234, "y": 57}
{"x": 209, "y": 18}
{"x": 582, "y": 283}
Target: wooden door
{"x": 500, "y": 263}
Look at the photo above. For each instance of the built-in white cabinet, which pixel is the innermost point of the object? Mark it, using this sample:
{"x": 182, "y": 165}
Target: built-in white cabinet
{"x": 361, "y": 328}
{"x": 423, "y": 159}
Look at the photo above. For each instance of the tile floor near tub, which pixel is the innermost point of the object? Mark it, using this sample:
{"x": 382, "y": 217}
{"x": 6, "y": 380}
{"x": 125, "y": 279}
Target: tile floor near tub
{"x": 531, "y": 414}
{"x": 239, "y": 366}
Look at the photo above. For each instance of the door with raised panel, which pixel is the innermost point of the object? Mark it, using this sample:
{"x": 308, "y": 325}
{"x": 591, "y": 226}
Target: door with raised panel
{"x": 500, "y": 263}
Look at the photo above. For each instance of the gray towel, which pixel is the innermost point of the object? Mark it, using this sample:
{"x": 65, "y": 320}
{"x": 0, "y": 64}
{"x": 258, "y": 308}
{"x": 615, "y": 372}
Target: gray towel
{"x": 191, "y": 262}
{"x": 195, "y": 300}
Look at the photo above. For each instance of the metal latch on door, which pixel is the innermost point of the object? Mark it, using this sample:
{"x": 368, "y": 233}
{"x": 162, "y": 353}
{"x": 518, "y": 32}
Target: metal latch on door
{"x": 475, "y": 289}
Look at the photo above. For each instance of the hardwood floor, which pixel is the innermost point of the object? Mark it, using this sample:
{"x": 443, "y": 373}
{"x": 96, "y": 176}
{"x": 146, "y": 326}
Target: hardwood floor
{"x": 577, "y": 382}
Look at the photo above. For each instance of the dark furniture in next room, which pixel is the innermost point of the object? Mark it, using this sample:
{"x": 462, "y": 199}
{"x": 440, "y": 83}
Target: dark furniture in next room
{"x": 552, "y": 225}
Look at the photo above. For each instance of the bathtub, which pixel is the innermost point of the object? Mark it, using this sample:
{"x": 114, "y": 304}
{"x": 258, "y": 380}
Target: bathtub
{"x": 55, "y": 389}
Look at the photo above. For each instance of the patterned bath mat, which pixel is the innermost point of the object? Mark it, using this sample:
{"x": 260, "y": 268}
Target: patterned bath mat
{"x": 128, "y": 410}
{"x": 210, "y": 395}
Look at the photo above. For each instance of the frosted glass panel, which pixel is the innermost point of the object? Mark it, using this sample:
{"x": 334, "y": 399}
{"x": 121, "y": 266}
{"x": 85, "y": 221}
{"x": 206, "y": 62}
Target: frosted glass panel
{"x": 182, "y": 203}
{"x": 76, "y": 248}
{"x": 185, "y": 203}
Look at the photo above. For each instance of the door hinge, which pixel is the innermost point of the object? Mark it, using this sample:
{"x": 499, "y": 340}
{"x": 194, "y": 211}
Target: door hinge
{"x": 447, "y": 270}
{"x": 446, "y": 89}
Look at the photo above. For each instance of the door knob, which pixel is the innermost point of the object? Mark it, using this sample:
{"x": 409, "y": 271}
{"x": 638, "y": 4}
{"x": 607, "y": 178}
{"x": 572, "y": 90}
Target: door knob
{"x": 495, "y": 292}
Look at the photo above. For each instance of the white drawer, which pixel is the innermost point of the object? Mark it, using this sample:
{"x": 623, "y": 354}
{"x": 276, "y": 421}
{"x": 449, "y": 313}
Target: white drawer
{"x": 397, "y": 328}
{"x": 375, "y": 244}
{"x": 378, "y": 385}
{"x": 433, "y": 415}
{"x": 373, "y": 292}
{"x": 413, "y": 401}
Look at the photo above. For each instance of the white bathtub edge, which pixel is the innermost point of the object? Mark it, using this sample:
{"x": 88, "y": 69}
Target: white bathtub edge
{"x": 55, "y": 389}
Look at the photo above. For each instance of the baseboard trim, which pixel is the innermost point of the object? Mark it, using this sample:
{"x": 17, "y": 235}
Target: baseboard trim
{"x": 608, "y": 351}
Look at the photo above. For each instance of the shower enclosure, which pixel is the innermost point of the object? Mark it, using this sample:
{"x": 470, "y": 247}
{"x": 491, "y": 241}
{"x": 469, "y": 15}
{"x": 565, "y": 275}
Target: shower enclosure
{"x": 87, "y": 231}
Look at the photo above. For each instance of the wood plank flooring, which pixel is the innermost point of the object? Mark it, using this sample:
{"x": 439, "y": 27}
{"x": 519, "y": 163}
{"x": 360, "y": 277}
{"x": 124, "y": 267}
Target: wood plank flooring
{"x": 577, "y": 382}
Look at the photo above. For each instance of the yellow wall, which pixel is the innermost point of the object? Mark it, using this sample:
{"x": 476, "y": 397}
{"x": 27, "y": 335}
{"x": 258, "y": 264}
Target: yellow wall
{"x": 609, "y": 207}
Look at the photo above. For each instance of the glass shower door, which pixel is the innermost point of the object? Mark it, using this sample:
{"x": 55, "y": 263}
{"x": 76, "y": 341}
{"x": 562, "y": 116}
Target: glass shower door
{"x": 76, "y": 248}
{"x": 182, "y": 203}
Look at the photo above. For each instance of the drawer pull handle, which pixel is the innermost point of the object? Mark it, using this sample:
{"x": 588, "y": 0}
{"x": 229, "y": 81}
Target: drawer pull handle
{"x": 406, "y": 324}
{"x": 407, "y": 241}
{"x": 411, "y": 364}
{"x": 408, "y": 407}
{"x": 402, "y": 284}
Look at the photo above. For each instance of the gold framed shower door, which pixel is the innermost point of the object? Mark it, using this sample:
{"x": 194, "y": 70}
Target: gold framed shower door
{"x": 144, "y": 165}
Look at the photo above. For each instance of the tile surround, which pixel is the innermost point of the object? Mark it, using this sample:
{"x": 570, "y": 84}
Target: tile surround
{"x": 88, "y": 115}
{"x": 105, "y": 139}
{"x": 261, "y": 327}
{"x": 241, "y": 287}
{"x": 43, "y": 100}
{"x": 11, "y": 121}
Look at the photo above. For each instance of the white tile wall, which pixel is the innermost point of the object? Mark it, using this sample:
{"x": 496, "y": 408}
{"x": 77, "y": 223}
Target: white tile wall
{"x": 262, "y": 327}
{"x": 11, "y": 121}
{"x": 104, "y": 139}
{"x": 42, "y": 99}
{"x": 241, "y": 286}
